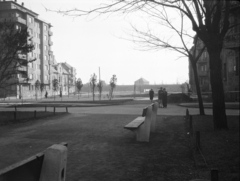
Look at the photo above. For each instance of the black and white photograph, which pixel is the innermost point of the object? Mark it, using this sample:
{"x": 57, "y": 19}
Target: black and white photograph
{"x": 119, "y": 90}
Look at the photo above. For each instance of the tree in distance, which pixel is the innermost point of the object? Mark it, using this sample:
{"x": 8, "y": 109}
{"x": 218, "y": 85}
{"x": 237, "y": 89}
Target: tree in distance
{"x": 42, "y": 87}
{"x": 113, "y": 84}
{"x": 93, "y": 84}
{"x": 37, "y": 87}
{"x": 55, "y": 86}
{"x": 100, "y": 87}
{"x": 15, "y": 43}
{"x": 79, "y": 86}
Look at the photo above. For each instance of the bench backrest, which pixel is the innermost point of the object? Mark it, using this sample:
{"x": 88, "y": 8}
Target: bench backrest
{"x": 144, "y": 112}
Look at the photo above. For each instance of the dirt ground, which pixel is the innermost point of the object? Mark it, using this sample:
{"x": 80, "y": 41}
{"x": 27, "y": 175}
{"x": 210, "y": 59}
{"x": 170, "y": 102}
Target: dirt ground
{"x": 101, "y": 149}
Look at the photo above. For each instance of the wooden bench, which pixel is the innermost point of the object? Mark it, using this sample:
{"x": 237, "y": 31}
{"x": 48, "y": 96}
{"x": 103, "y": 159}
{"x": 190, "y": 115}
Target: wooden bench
{"x": 142, "y": 125}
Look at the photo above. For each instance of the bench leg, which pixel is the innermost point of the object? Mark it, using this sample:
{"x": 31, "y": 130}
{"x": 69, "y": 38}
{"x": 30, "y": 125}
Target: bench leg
{"x": 153, "y": 123}
{"x": 54, "y": 164}
{"x": 143, "y": 133}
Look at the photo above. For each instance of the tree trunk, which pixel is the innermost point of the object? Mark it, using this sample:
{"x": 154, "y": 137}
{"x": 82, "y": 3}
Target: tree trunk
{"x": 200, "y": 101}
{"x": 219, "y": 112}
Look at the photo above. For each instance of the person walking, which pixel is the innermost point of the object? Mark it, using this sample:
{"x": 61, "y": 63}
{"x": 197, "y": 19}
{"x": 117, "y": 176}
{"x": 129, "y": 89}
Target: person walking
{"x": 151, "y": 95}
{"x": 46, "y": 94}
{"x": 160, "y": 95}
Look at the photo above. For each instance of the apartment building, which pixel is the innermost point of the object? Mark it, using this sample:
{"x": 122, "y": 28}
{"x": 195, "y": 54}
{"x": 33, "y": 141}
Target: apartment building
{"x": 44, "y": 68}
{"x": 230, "y": 61}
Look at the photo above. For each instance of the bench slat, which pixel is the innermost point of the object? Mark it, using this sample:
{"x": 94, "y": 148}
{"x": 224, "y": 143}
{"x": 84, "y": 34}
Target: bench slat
{"x": 135, "y": 123}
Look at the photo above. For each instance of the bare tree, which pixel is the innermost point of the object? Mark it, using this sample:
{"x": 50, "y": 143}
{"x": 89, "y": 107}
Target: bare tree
{"x": 209, "y": 19}
{"x": 93, "y": 84}
{"x": 79, "y": 86}
{"x": 15, "y": 43}
{"x": 100, "y": 87}
{"x": 113, "y": 84}
{"x": 55, "y": 86}
{"x": 42, "y": 87}
{"x": 37, "y": 87}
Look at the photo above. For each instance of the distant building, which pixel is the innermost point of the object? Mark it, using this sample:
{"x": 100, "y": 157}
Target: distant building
{"x": 141, "y": 81}
{"x": 138, "y": 85}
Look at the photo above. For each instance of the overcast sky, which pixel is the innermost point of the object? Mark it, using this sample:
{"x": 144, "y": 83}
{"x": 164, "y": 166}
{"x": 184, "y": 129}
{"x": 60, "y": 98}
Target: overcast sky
{"x": 88, "y": 44}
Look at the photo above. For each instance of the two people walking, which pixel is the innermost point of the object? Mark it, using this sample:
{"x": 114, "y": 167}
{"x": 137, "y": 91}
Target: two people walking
{"x": 162, "y": 97}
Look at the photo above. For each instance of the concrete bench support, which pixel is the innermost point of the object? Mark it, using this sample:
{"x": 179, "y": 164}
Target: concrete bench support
{"x": 154, "y": 116}
{"x": 49, "y": 165}
{"x": 143, "y": 133}
{"x": 54, "y": 164}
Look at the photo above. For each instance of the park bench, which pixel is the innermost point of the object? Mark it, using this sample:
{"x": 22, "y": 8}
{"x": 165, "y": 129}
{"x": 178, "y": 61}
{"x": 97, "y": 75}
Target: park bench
{"x": 49, "y": 165}
{"x": 144, "y": 124}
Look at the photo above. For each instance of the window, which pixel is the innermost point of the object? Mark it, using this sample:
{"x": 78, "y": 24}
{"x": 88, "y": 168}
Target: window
{"x": 46, "y": 77}
{"x": 45, "y": 47}
{"x": 30, "y": 31}
{"x": 30, "y": 20}
{"x": 30, "y": 65}
{"x": 30, "y": 76}
{"x": 36, "y": 25}
{"x": 45, "y": 27}
{"x": 45, "y": 37}
{"x": 45, "y": 57}
{"x": 46, "y": 67}
{"x": 17, "y": 27}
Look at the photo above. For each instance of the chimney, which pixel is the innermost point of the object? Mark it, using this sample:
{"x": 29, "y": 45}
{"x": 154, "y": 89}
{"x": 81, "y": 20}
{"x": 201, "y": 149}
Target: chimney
{"x": 22, "y": 4}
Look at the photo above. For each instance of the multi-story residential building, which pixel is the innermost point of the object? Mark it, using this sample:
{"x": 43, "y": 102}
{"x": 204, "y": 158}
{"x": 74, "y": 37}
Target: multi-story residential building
{"x": 230, "y": 60}
{"x": 40, "y": 31}
{"x": 66, "y": 75}
{"x": 71, "y": 77}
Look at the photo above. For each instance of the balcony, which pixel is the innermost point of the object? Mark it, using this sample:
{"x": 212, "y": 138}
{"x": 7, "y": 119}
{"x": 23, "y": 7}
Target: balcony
{"x": 14, "y": 19}
{"x": 22, "y": 56}
{"x": 50, "y": 43}
{"x": 50, "y": 52}
{"x": 22, "y": 80}
{"x": 50, "y": 33}
{"x": 22, "y": 69}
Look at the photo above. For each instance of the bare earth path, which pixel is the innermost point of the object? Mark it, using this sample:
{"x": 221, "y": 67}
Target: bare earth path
{"x": 100, "y": 149}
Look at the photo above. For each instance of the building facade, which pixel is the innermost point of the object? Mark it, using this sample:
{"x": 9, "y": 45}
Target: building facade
{"x": 230, "y": 61}
{"x": 139, "y": 84}
{"x": 42, "y": 69}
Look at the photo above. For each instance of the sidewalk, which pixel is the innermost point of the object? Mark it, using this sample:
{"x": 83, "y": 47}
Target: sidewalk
{"x": 229, "y": 105}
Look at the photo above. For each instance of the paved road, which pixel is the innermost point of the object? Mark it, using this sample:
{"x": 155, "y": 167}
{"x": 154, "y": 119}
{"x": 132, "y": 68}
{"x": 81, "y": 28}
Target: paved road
{"x": 135, "y": 109}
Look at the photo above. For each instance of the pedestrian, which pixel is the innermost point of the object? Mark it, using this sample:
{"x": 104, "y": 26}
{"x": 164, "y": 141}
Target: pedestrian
{"x": 160, "y": 94}
{"x": 164, "y": 98}
{"x": 151, "y": 94}
{"x": 46, "y": 94}
{"x": 60, "y": 93}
